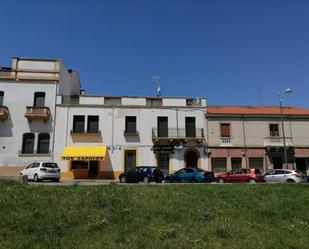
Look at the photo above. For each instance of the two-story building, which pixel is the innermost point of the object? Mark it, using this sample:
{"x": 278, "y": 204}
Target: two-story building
{"x": 257, "y": 136}
{"x": 103, "y": 136}
{"x": 28, "y": 91}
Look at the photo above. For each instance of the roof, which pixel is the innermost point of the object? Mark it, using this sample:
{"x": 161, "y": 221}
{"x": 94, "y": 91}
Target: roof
{"x": 256, "y": 110}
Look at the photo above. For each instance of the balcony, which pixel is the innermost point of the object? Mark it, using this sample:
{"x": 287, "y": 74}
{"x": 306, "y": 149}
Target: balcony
{"x": 4, "y": 113}
{"x": 277, "y": 142}
{"x": 85, "y": 133}
{"x": 178, "y": 134}
{"x": 37, "y": 113}
{"x": 226, "y": 141}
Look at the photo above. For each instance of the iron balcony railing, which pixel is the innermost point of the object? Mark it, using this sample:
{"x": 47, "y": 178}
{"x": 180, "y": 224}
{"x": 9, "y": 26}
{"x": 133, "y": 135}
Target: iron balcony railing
{"x": 177, "y": 133}
{"x": 277, "y": 141}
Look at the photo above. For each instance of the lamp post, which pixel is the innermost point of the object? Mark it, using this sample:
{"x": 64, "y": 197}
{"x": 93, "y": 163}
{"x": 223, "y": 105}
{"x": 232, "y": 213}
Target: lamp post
{"x": 286, "y": 91}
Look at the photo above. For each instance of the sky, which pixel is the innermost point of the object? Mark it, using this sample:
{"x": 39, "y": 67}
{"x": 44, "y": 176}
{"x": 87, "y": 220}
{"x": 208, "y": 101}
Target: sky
{"x": 230, "y": 52}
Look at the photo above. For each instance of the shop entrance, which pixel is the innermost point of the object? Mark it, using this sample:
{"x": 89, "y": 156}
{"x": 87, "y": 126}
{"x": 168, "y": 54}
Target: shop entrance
{"x": 191, "y": 159}
{"x": 301, "y": 164}
{"x": 93, "y": 169}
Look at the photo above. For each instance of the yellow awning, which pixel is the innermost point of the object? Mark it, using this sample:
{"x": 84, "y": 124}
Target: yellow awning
{"x": 84, "y": 153}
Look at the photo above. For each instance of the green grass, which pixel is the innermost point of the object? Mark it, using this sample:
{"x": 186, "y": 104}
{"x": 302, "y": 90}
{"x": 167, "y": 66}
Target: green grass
{"x": 152, "y": 216}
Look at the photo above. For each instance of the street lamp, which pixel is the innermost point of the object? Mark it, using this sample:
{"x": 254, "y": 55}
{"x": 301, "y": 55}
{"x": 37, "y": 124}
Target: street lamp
{"x": 286, "y": 91}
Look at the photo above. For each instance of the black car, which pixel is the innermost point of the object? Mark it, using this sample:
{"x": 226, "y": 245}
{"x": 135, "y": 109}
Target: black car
{"x": 144, "y": 174}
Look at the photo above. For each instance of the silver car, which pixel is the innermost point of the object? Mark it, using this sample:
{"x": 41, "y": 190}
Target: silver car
{"x": 42, "y": 171}
{"x": 284, "y": 175}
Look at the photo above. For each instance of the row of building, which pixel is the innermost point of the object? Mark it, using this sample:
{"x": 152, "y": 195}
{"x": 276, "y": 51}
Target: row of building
{"x": 45, "y": 116}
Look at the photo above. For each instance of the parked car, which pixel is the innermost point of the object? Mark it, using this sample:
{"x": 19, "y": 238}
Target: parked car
{"x": 191, "y": 175}
{"x": 284, "y": 175}
{"x": 38, "y": 171}
{"x": 241, "y": 175}
{"x": 144, "y": 174}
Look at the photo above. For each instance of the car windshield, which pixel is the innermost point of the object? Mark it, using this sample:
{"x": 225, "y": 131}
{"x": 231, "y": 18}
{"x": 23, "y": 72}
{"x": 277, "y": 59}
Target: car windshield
{"x": 50, "y": 165}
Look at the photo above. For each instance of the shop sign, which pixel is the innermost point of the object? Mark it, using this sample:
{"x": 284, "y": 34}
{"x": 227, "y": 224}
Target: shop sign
{"x": 83, "y": 158}
{"x": 158, "y": 149}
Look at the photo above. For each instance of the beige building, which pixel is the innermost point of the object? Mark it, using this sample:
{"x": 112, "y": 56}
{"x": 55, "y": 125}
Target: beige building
{"x": 257, "y": 136}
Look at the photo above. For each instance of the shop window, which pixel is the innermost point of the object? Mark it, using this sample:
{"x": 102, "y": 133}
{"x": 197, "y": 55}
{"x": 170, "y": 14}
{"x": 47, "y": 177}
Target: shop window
{"x": 28, "y": 143}
{"x": 43, "y": 143}
{"x": 225, "y": 130}
{"x": 75, "y": 165}
{"x": 39, "y": 99}
{"x": 218, "y": 164}
{"x": 274, "y": 130}
{"x": 256, "y": 162}
{"x": 236, "y": 162}
{"x": 93, "y": 124}
{"x": 163, "y": 162}
{"x": 129, "y": 159}
{"x": 1, "y": 98}
{"x": 78, "y": 123}
{"x": 130, "y": 125}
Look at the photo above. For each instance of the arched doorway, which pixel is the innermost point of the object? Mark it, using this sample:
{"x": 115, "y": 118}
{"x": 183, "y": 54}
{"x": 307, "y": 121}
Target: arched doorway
{"x": 191, "y": 158}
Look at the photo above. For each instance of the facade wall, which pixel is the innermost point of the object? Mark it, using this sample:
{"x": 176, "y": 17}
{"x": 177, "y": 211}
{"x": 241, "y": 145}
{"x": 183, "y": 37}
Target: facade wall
{"x": 112, "y": 127}
{"x": 17, "y": 96}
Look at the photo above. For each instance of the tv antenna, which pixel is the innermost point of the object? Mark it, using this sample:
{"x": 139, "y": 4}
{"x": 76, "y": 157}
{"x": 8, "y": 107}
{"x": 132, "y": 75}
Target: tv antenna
{"x": 260, "y": 96}
{"x": 156, "y": 80}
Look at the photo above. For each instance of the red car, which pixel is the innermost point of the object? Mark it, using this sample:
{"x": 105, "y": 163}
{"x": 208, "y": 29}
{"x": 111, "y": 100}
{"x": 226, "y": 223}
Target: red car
{"x": 241, "y": 175}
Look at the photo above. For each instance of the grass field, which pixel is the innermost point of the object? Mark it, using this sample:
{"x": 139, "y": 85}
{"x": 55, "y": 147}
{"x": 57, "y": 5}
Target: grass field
{"x": 152, "y": 216}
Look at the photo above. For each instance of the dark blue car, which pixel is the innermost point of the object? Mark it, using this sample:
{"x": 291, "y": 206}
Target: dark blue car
{"x": 191, "y": 175}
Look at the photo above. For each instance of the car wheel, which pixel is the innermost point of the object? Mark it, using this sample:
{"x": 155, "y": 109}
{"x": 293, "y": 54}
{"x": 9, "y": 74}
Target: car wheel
{"x": 123, "y": 179}
{"x": 252, "y": 181}
{"x": 220, "y": 180}
{"x": 290, "y": 181}
{"x": 57, "y": 180}
{"x": 36, "y": 178}
{"x": 146, "y": 179}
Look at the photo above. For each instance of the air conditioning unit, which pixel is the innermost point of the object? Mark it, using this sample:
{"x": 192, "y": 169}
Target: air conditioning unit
{"x": 178, "y": 146}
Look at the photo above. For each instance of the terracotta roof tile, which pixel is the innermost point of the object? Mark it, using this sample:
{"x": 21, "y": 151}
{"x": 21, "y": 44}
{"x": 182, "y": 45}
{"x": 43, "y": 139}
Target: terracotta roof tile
{"x": 256, "y": 110}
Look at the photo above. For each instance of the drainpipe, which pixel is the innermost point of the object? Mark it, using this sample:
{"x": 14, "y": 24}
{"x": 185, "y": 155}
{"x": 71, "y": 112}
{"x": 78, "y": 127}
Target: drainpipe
{"x": 54, "y": 126}
{"x": 113, "y": 116}
{"x": 245, "y": 143}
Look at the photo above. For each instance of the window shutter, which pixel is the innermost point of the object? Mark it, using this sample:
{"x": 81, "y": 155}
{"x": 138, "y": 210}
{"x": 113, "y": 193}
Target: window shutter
{"x": 225, "y": 130}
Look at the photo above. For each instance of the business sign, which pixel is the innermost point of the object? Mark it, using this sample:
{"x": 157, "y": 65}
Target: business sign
{"x": 82, "y": 158}
{"x": 159, "y": 149}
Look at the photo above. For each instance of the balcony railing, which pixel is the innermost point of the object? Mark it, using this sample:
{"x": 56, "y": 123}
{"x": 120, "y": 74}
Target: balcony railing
{"x": 37, "y": 113}
{"x": 174, "y": 133}
{"x": 277, "y": 141}
{"x": 35, "y": 74}
{"x": 4, "y": 113}
{"x": 86, "y": 132}
{"x": 226, "y": 141}
{"x": 7, "y": 74}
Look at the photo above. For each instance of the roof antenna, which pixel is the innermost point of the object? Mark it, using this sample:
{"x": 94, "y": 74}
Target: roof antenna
{"x": 156, "y": 79}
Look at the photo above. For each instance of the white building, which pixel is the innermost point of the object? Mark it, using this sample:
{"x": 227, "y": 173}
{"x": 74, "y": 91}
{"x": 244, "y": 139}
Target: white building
{"x": 28, "y": 91}
{"x": 167, "y": 132}
{"x": 44, "y": 117}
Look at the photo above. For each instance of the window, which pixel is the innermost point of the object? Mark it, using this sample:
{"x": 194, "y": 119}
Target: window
{"x": 28, "y": 143}
{"x": 78, "y": 123}
{"x": 1, "y": 98}
{"x": 43, "y": 143}
{"x": 256, "y": 162}
{"x": 163, "y": 162}
{"x": 236, "y": 162}
{"x": 76, "y": 165}
{"x": 112, "y": 101}
{"x": 162, "y": 126}
{"x": 190, "y": 127}
{"x": 130, "y": 125}
{"x": 39, "y": 99}
{"x": 93, "y": 124}
{"x": 225, "y": 130}
{"x": 274, "y": 130}
{"x": 153, "y": 102}
{"x": 218, "y": 164}
{"x": 129, "y": 159}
